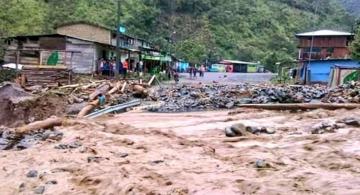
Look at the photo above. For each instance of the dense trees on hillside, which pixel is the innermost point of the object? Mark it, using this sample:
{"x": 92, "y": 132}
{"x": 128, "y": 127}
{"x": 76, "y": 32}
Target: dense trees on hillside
{"x": 355, "y": 46}
{"x": 197, "y": 30}
{"x": 353, "y": 6}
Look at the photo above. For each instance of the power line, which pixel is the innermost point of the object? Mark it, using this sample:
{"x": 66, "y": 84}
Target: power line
{"x": 312, "y": 39}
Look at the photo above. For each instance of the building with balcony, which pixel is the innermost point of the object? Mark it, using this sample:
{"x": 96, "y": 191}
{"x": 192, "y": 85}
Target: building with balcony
{"x": 320, "y": 51}
{"x": 324, "y": 44}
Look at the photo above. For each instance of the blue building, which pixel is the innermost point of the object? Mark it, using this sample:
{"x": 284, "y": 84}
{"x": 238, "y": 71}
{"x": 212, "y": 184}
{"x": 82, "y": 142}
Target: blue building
{"x": 320, "y": 51}
{"x": 319, "y": 70}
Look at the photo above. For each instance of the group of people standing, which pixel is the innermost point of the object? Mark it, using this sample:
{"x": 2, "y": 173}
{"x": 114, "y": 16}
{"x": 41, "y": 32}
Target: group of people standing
{"x": 108, "y": 67}
{"x": 193, "y": 70}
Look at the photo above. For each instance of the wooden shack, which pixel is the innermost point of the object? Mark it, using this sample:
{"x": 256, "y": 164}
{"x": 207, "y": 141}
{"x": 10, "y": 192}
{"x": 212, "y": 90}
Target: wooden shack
{"x": 324, "y": 44}
{"x": 73, "y": 55}
{"x": 319, "y": 51}
{"x": 76, "y": 54}
{"x": 76, "y": 47}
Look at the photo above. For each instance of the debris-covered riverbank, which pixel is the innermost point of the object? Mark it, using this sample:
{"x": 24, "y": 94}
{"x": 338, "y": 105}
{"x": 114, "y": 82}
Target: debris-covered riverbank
{"x": 22, "y": 106}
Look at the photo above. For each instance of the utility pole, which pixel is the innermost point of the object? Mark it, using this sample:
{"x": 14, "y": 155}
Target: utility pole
{"x": 118, "y": 56}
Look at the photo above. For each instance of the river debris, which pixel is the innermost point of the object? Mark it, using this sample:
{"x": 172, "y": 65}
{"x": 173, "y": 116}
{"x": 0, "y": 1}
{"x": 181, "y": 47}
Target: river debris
{"x": 21, "y": 105}
{"x": 10, "y": 140}
{"x": 240, "y": 129}
{"x": 346, "y": 93}
{"x": 185, "y": 98}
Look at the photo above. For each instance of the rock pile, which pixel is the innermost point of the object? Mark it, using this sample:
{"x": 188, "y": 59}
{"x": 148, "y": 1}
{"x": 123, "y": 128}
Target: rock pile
{"x": 324, "y": 127}
{"x": 211, "y": 97}
{"x": 186, "y": 98}
{"x": 287, "y": 94}
{"x": 8, "y": 139}
{"x": 242, "y": 130}
{"x": 347, "y": 93}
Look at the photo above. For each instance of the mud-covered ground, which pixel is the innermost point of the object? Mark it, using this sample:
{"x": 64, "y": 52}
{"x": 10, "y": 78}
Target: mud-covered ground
{"x": 188, "y": 153}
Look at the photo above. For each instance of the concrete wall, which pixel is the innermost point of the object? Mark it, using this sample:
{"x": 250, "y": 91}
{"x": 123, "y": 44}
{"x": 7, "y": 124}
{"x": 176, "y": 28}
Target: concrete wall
{"x": 87, "y": 32}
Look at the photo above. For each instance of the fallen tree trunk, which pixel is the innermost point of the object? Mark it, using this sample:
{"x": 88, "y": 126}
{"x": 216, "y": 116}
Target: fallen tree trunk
{"x": 87, "y": 109}
{"x": 123, "y": 87}
{"x": 115, "y": 88}
{"x": 140, "y": 91}
{"x": 45, "y": 124}
{"x": 100, "y": 90}
{"x": 69, "y": 86}
{"x": 304, "y": 106}
{"x": 151, "y": 80}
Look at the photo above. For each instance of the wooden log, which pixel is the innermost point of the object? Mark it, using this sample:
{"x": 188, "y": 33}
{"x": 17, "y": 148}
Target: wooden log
{"x": 151, "y": 80}
{"x": 304, "y": 106}
{"x": 45, "y": 124}
{"x": 69, "y": 86}
{"x": 102, "y": 89}
{"x": 140, "y": 90}
{"x": 123, "y": 87}
{"x": 115, "y": 88}
{"x": 87, "y": 109}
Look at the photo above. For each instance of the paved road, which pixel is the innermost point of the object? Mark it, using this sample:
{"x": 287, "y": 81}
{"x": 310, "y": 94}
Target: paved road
{"x": 229, "y": 77}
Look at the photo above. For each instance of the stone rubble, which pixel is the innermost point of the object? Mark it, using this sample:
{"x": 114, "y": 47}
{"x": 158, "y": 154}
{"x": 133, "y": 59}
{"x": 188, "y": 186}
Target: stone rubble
{"x": 346, "y": 93}
{"x": 183, "y": 98}
{"x": 240, "y": 129}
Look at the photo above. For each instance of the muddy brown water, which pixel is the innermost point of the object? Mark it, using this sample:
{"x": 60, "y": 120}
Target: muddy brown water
{"x": 188, "y": 153}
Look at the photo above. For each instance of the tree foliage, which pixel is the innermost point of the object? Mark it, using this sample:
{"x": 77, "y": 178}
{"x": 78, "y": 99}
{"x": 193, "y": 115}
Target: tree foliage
{"x": 196, "y": 30}
{"x": 355, "y": 46}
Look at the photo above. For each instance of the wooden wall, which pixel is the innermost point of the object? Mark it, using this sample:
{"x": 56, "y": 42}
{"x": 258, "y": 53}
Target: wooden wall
{"x": 323, "y": 42}
{"x": 338, "y": 53}
{"x": 28, "y": 57}
{"x": 84, "y": 62}
{"x": 87, "y": 32}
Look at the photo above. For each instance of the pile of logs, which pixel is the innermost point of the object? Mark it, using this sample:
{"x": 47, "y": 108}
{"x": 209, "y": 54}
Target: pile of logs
{"x": 115, "y": 92}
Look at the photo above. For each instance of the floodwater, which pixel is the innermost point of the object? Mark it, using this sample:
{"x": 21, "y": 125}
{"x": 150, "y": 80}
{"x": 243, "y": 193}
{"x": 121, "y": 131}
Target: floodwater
{"x": 188, "y": 153}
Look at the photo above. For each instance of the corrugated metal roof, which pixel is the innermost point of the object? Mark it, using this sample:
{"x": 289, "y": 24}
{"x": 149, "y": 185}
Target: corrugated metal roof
{"x": 324, "y": 33}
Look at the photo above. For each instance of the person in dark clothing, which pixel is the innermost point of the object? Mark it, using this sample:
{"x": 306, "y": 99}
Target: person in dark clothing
{"x": 106, "y": 68}
{"x": 191, "y": 71}
{"x": 120, "y": 67}
{"x": 176, "y": 76}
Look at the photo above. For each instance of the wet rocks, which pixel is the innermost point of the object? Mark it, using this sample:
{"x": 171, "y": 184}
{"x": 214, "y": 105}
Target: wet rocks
{"x": 21, "y": 187}
{"x": 52, "y": 182}
{"x": 122, "y": 155}
{"x": 324, "y": 127}
{"x": 351, "y": 121}
{"x": 183, "y": 98}
{"x": 32, "y": 173}
{"x": 72, "y": 145}
{"x": 96, "y": 159}
{"x": 229, "y": 132}
{"x": 242, "y": 130}
{"x": 8, "y": 139}
{"x": 52, "y": 135}
{"x": 262, "y": 164}
{"x": 287, "y": 94}
{"x": 39, "y": 190}
{"x": 346, "y": 93}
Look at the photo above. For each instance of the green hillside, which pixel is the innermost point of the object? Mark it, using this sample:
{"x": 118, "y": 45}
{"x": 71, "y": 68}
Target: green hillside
{"x": 352, "y": 6}
{"x": 251, "y": 30}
